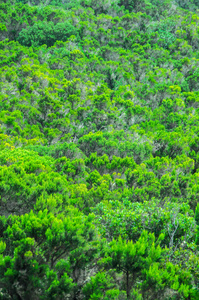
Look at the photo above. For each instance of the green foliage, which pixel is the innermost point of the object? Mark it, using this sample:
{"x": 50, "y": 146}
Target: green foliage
{"x": 29, "y": 251}
{"x": 128, "y": 220}
{"x": 102, "y": 286}
{"x": 99, "y": 149}
{"x": 46, "y": 33}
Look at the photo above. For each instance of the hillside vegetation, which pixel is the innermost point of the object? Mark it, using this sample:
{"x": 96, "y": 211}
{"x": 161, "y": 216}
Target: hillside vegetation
{"x": 99, "y": 152}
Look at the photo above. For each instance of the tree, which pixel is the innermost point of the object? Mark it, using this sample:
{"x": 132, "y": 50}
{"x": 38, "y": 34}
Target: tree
{"x": 45, "y": 33}
{"x": 131, "y": 258}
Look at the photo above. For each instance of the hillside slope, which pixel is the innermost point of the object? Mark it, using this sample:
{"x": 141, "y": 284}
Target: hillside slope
{"x": 99, "y": 160}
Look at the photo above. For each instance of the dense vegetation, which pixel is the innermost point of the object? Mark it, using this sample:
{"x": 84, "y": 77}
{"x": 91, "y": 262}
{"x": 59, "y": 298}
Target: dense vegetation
{"x": 99, "y": 161}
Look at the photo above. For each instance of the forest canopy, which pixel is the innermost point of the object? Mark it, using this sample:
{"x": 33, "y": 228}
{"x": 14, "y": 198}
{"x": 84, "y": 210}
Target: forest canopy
{"x": 99, "y": 160}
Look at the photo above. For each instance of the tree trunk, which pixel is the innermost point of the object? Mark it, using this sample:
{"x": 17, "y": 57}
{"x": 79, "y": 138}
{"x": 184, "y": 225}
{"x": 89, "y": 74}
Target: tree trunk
{"x": 127, "y": 284}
